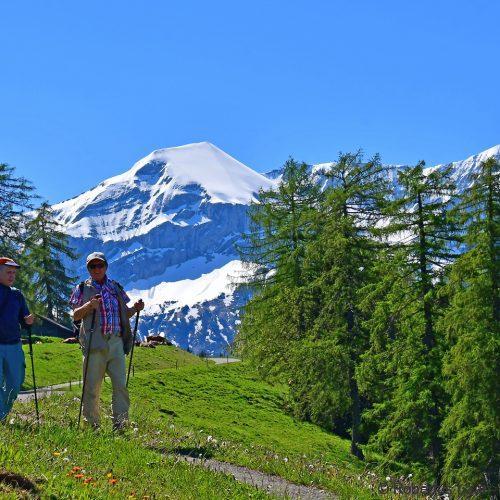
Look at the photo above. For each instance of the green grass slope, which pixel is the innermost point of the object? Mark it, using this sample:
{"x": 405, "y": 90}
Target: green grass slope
{"x": 227, "y": 413}
{"x": 56, "y": 362}
{"x": 63, "y": 463}
{"x": 223, "y": 412}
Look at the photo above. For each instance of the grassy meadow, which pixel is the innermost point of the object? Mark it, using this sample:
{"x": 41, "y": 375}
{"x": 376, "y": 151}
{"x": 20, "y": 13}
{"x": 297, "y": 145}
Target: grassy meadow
{"x": 181, "y": 405}
{"x": 56, "y": 362}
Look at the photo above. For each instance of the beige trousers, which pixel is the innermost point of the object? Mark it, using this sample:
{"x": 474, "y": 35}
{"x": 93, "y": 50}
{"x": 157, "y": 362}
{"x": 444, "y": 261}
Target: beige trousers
{"x": 110, "y": 361}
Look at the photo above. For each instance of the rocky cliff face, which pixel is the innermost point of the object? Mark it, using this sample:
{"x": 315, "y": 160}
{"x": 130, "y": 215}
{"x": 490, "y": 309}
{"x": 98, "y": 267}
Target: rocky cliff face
{"x": 168, "y": 227}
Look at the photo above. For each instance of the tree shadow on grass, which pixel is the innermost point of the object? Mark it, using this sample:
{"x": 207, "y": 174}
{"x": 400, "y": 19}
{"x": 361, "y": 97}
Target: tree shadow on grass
{"x": 17, "y": 481}
{"x": 185, "y": 451}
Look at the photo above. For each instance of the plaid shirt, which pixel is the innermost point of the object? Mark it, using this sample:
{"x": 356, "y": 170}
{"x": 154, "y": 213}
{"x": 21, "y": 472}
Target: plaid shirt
{"x": 110, "y": 307}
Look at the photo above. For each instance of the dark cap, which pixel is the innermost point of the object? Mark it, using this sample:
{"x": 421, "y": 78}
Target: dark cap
{"x": 96, "y": 256}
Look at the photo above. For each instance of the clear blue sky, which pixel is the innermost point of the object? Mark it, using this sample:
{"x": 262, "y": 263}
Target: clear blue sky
{"x": 89, "y": 87}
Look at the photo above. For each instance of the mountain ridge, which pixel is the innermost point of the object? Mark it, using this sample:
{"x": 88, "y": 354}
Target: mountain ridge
{"x": 200, "y": 169}
{"x": 169, "y": 226}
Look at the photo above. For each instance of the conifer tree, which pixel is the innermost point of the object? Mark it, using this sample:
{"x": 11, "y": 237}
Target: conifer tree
{"x": 281, "y": 223}
{"x": 338, "y": 267}
{"x": 403, "y": 363}
{"x": 45, "y": 252}
{"x": 16, "y": 195}
{"x": 382, "y": 303}
{"x": 471, "y": 428}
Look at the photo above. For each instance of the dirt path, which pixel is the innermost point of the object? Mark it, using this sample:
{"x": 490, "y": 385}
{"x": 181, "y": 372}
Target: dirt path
{"x": 271, "y": 484}
{"x": 43, "y": 392}
{"x": 48, "y": 390}
{"x": 222, "y": 361}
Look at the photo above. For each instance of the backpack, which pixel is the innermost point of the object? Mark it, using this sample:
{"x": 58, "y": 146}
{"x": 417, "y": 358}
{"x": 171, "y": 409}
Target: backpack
{"x": 77, "y": 324}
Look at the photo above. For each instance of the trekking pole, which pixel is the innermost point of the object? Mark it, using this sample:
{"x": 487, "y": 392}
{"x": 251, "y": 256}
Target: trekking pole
{"x": 133, "y": 344}
{"x": 30, "y": 341}
{"x": 92, "y": 326}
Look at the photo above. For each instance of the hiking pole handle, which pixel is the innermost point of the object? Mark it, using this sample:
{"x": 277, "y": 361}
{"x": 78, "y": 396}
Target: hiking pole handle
{"x": 30, "y": 342}
{"x": 133, "y": 344}
{"x": 86, "y": 361}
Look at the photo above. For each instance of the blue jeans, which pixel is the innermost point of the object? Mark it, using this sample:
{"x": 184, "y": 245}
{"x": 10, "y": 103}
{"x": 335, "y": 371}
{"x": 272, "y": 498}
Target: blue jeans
{"x": 12, "y": 367}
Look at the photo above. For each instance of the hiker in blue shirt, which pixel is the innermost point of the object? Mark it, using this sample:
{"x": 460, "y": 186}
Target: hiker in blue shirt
{"x": 14, "y": 313}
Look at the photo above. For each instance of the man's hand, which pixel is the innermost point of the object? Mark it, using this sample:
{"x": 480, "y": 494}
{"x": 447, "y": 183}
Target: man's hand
{"x": 29, "y": 320}
{"x": 92, "y": 305}
{"x": 95, "y": 302}
{"x": 139, "y": 305}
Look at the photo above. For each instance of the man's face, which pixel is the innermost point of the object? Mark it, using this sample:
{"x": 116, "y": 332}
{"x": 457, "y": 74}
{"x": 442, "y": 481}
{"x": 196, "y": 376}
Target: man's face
{"x": 7, "y": 275}
{"x": 97, "y": 269}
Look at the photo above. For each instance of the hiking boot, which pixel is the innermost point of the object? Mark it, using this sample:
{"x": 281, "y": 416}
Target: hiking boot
{"x": 120, "y": 427}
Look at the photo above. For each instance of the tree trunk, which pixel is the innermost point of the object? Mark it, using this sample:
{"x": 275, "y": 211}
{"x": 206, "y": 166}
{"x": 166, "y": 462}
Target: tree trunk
{"x": 356, "y": 419}
{"x": 429, "y": 340}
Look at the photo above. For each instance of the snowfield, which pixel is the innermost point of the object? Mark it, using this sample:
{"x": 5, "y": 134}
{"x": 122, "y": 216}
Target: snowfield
{"x": 157, "y": 189}
{"x": 191, "y": 291}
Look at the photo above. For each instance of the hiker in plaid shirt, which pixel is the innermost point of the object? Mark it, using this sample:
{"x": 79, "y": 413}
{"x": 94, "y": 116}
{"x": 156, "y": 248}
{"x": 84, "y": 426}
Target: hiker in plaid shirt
{"x": 109, "y": 309}
{"x": 110, "y": 341}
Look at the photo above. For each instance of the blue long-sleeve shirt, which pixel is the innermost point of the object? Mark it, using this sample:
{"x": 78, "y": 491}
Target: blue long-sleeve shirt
{"x": 13, "y": 309}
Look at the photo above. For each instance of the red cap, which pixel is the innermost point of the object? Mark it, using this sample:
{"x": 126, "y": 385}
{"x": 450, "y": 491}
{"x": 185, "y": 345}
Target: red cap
{"x": 5, "y": 261}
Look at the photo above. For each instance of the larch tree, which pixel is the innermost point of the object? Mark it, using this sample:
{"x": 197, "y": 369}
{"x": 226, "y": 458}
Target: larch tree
{"x": 281, "y": 222}
{"x": 471, "y": 429}
{"x": 338, "y": 266}
{"x": 16, "y": 197}
{"x": 401, "y": 371}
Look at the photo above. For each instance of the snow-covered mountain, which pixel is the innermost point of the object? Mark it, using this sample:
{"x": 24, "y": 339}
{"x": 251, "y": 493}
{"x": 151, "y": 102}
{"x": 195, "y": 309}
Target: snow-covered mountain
{"x": 168, "y": 227}
{"x": 461, "y": 170}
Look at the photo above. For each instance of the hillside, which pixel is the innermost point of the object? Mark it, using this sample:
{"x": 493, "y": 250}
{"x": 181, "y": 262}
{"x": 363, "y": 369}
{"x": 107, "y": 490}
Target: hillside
{"x": 56, "y": 362}
{"x": 221, "y": 412}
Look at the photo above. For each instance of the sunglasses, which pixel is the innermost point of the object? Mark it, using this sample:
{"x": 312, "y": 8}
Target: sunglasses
{"x": 96, "y": 266}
